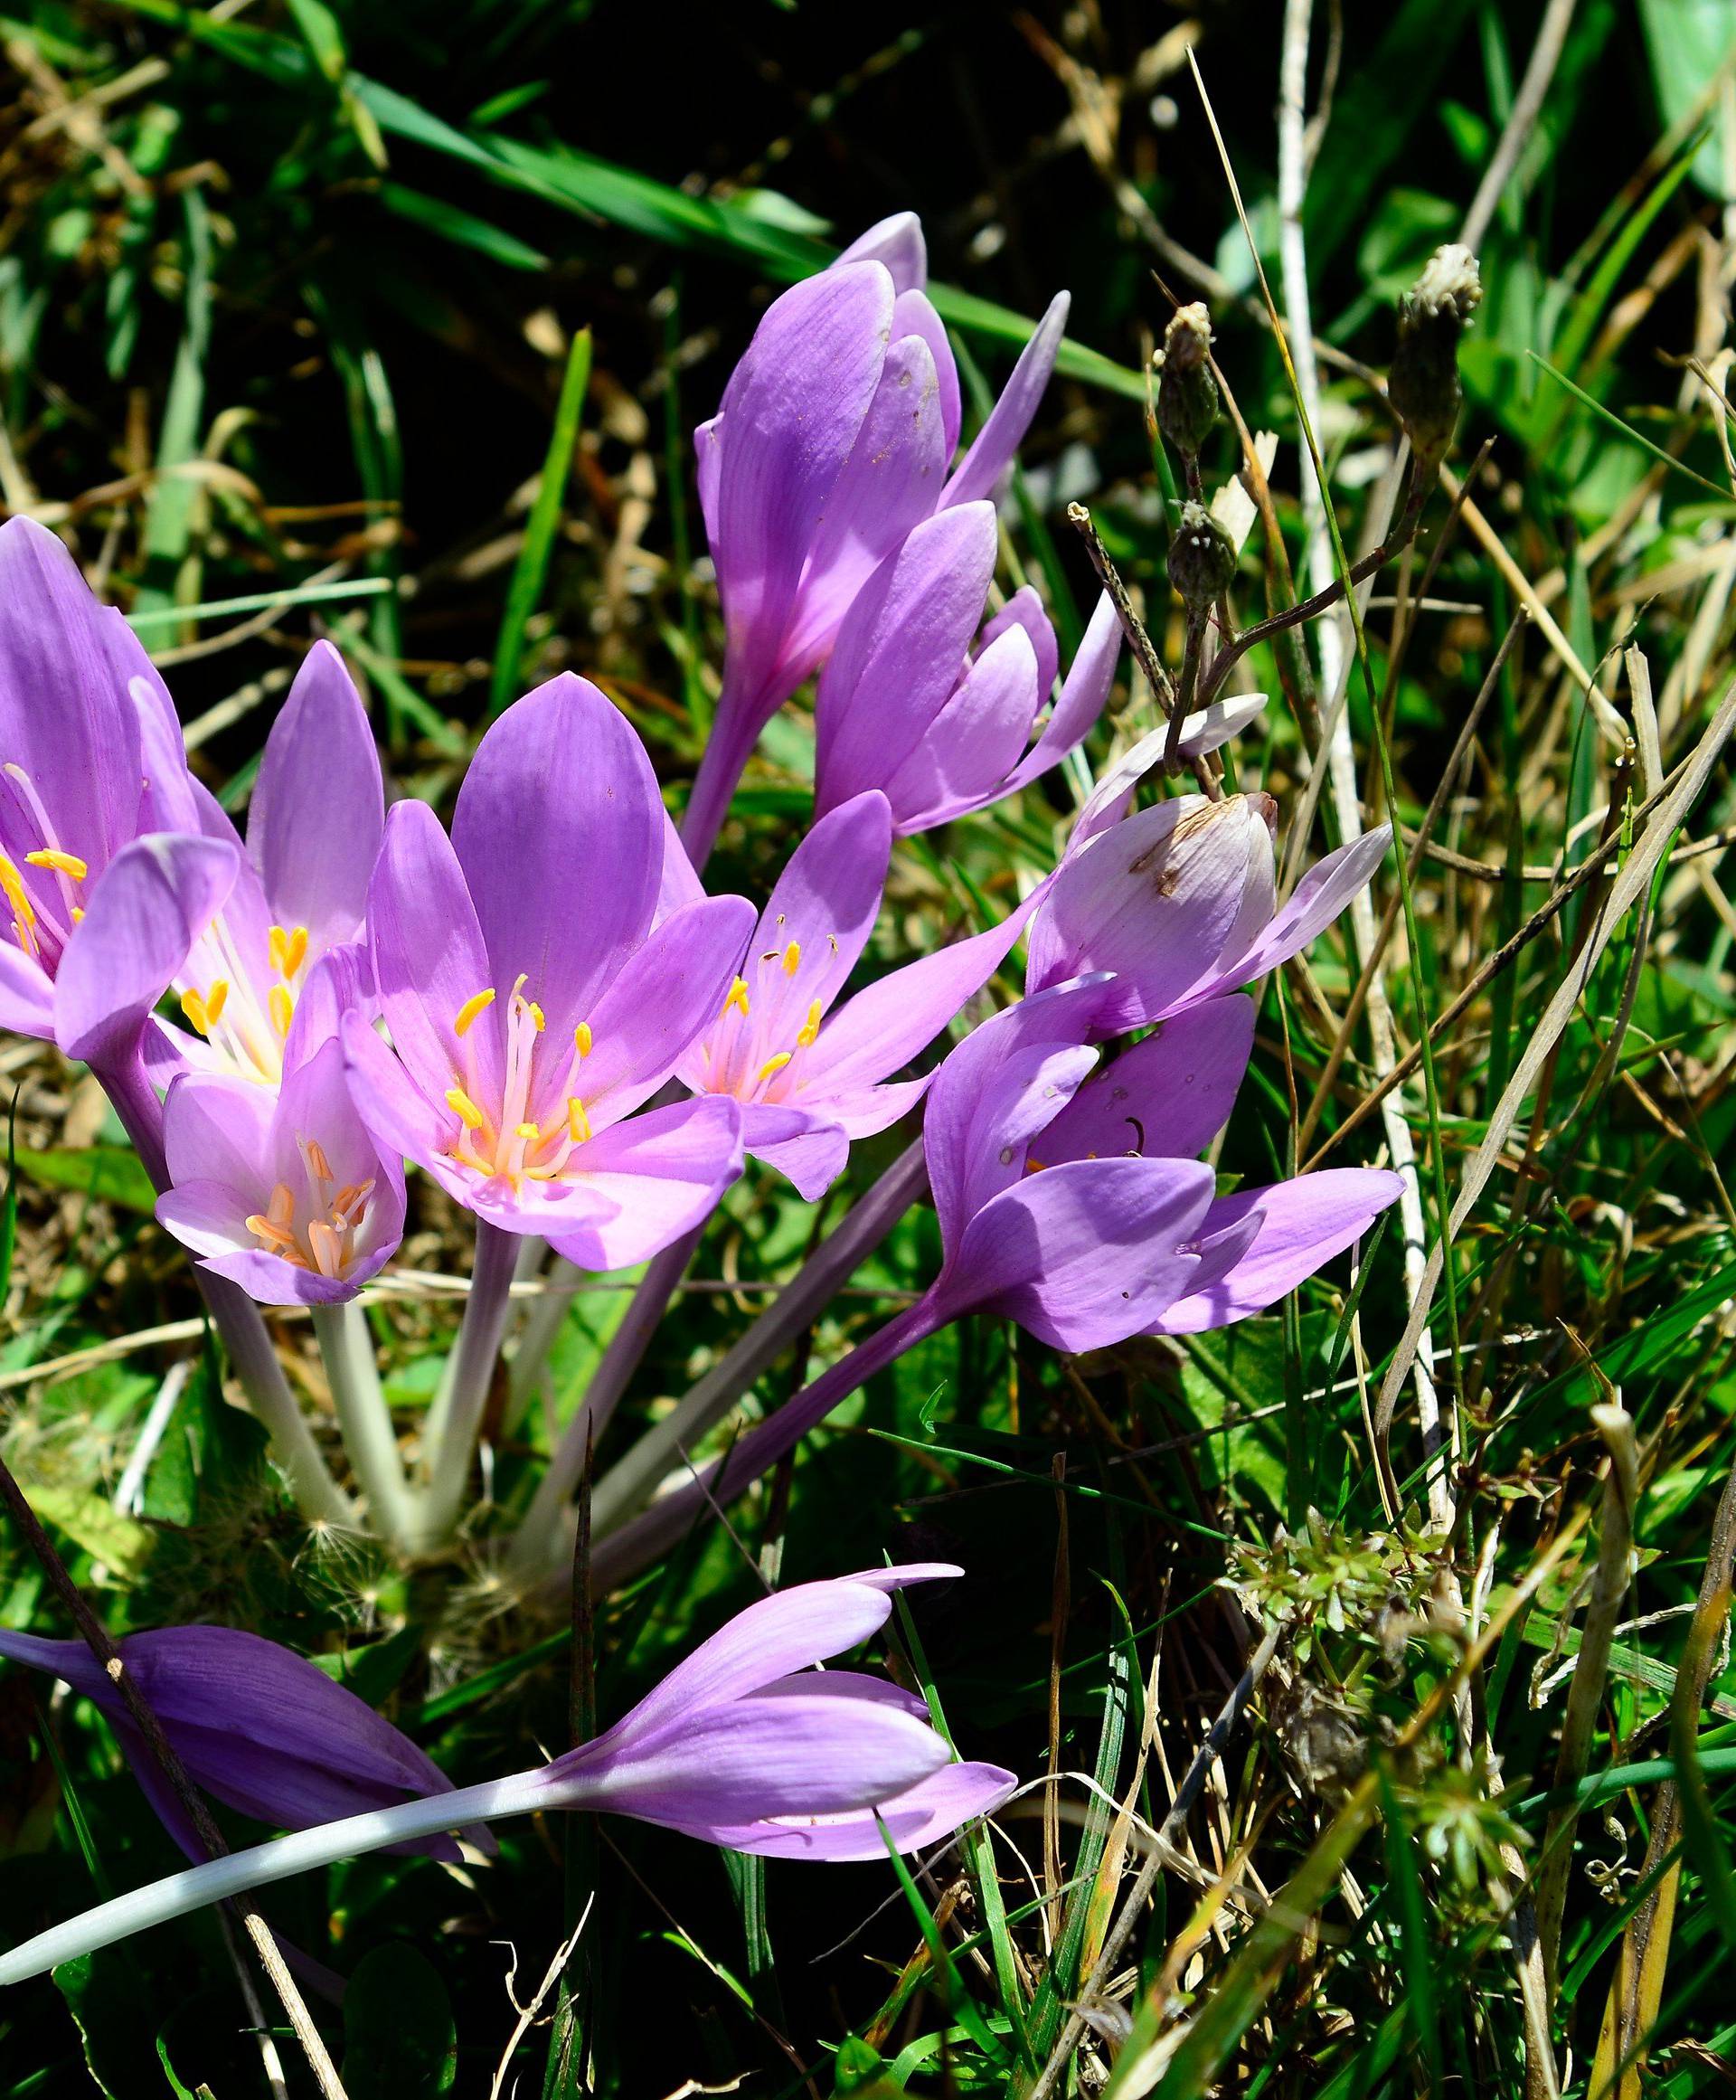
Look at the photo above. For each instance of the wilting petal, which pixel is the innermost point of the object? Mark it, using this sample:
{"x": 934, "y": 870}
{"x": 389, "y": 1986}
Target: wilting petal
{"x": 1305, "y": 1223}
{"x": 1086, "y": 1253}
{"x": 1312, "y": 906}
{"x": 318, "y": 806}
{"x": 897, "y": 242}
{"x": 146, "y": 910}
{"x": 968, "y": 755}
{"x": 999, "y": 438}
{"x": 559, "y": 828}
{"x": 663, "y": 1171}
{"x": 1167, "y": 1097}
{"x": 930, "y": 1811}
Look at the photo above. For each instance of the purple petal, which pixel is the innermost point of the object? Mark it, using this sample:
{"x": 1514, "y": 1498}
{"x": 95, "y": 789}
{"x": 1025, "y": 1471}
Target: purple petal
{"x": 1312, "y": 906}
{"x": 404, "y": 1120}
{"x": 1083, "y": 696}
{"x": 928, "y": 1812}
{"x": 559, "y": 828}
{"x": 809, "y": 1150}
{"x": 900, "y": 652}
{"x": 1167, "y": 1097}
{"x": 967, "y": 756}
{"x": 1304, "y": 1224}
{"x": 26, "y": 994}
{"x": 1025, "y": 608}
{"x": 914, "y": 316}
{"x": 679, "y": 883}
{"x": 218, "y": 1128}
{"x": 1086, "y": 1253}
{"x": 826, "y": 901}
{"x": 1002, "y": 434}
{"x": 981, "y": 1118}
{"x": 341, "y": 982}
{"x": 663, "y": 1172}
{"x": 153, "y": 900}
{"x": 318, "y": 806}
{"x": 897, "y": 242}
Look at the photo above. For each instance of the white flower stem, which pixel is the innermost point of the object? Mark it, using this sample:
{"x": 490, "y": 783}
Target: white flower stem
{"x": 363, "y": 1418}
{"x": 455, "y": 1417}
{"x": 237, "y": 1872}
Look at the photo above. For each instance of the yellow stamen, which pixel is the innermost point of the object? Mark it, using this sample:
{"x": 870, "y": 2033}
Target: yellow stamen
{"x": 535, "y": 1013}
{"x": 317, "y": 1160}
{"x": 477, "y": 1003}
{"x": 810, "y": 1027}
{"x": 216, "y": 1000}
{"x": 773, "y": 1064}
{"x": 275, "y": 1238}
{"x": 276, "y": 945}
{"x": 464, "y": 1108}
{"x": 737, "y": 997}
{"x": 194, "y": 1007}
{"x": 1033, "y": 1166}
{"x": 328, "y": 1254}
{"x": 66, "y": 863}
{"x": 528, "y": 1131}
{"x": 78, "y": 913}
{"x": 282, "y": 1008}
{"x": 282, "y": 1206}
{"x": 792, "y": 959}
{"x": 581, "y": 1038}
{"x": 578, "y": 1122}
{"x": 295, "y": 950}
{"x": 16, "y": 896}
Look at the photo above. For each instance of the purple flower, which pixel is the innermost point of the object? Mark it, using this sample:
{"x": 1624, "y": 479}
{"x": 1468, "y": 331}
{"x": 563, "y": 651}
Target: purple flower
{"x": 99, "y": 904}
{"x": 743, "y": 1744}
{"x": 282, "y": 1191}
{"x": 1179, "y": 900}
{"x": 263, "y": 1730}
{"x": 810, "y": 1078}
{"x": 833, "y": 440}
{"x": 312, "y": 835}
{"x": 531, "y": 1003}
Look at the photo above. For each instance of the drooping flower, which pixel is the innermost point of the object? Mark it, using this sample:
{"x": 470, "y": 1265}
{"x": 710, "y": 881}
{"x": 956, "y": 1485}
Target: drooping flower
{"x": 1179, "y": 900}
{"x": 743, "y": 1744}
{"x": 284, "y": 1191}
{"x": 312, "y": 835}
{"x": 811, "y": 1077}
{"x": 532, "y": 1004}
{"x": 834, "y": 439}
{"x": 261, "y": 1730}
{"x": 102, "y": 895}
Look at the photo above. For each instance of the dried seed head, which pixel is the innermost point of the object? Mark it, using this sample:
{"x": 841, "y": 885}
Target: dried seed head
{"x": 1187, "y": 400}
{"x": 1202, "y": 559}
{"x": 1423, "y": 385}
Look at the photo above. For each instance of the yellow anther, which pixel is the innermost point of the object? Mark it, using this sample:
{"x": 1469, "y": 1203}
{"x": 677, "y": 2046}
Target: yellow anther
{"x": 282, "y": 1008}
{"x": 1033, "y": 1166}
{"x": 277, "y": 946}
{"x": 581, "y": 1038}
{"x": 528, "y": 1131}
{"x": 277, "y": 1238}
{"x": 792, "y": 959}
{"x": 12, "y": 882}
{"x": 737, "y": 997}
{"x": 194, "y": 1007}
{"x": 78, "y": 913}
{"x": 578, "y": 1122}
{"x": 66, "y": 863}
{"x": 317, "y": 1162}
{"x": 216, "y": 1000}
{"x": 464, "y": 1108}
{"x": 282, "y": 1206}
{"x": 810, "y": 1027}
{"x": 773, "y": 1064}
{"x": 535, "y": 1013}
{"x": 295, "y": 950}
{"x": 328, "y": 1250}
{"x": 477, "y": 1003}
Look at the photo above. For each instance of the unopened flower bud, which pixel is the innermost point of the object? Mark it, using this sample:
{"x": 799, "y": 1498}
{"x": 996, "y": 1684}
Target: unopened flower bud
{"x": 1423, "y": 385}
{"x": 1202, "y": 558}
{"x": 1187, "y": 401}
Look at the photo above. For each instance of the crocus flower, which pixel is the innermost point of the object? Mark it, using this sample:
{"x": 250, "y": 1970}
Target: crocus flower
{"x": 103, "y": 892}
{"x": 743, "y": 1744}
{"x": 258, "y": 1728}
{"x": 531, "y": 1003}
{"x": 811, "y": 1078}
{"x": 284, "y": 1191}
{"x": 1179, "y": 900}
{"x": 833, "y": 440}
{"x": 312, "y": 835}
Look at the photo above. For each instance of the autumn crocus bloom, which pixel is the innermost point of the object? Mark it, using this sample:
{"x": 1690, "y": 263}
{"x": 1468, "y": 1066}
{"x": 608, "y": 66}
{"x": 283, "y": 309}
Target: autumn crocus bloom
{"x": 1179, "y": 900}
{"x": 313, "y": 834}
{"x": 744, "y": 1745}
{"x": 834, "y": 439}
{"x": 281, "y": 1191}
{"x": 531, "y": 1004}
{"x": 811, "y": 1077}
{"x": 263, "y": 1730}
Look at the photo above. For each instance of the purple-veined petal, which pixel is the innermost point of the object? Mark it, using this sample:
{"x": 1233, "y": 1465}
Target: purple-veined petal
{"x": 1316, "y": 902}
{"x": 679, "y": 883}
{"x": 1304, "y": 1224}
{"x": 663, "y": 1172}
{"x": 559, "y": 830}
{"x": 1167, "y": 1097}
{"x": 928, "y": 1812}
{"x": 1086, "y": 1253}
{"x": 217, "y": 1128}
{"x": 403, "y": 1119}
{"x": 145, "y": 911}
{"x": 318, "y": 806}
{"x": 896, "y": 242}
{"x": 809, "y": 1148}
{"x": 980, "y": 469}
{"x": 1025, "y": 608}
{"x": 340, "y": 982}
{"x": 966, "y": 757}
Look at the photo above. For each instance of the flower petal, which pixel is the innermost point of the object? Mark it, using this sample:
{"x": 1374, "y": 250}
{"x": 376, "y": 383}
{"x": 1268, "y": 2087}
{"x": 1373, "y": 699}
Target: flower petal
{"x": 897, "y": 242}
{"x": 966, "y": 757}
{"x": 1316, "y": 902}
{"x": 915, "y": 316}
{"x": 663, "y": 1172}
{"x": 1167, "y": 1097}
{"x": 1003, "y": 432}
{"x": 930, "y": 1811}
{"x": 1084, "y": 694}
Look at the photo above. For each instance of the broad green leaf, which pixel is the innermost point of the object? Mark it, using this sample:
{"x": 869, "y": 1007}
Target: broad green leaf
{"x": 106, "y": 1173}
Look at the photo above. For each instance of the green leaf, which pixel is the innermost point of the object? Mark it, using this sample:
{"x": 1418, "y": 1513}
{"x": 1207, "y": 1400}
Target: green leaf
{"x": 530, "y": 573}
{"x": 1689, "y": 44}
{"x": 120, "y": 1543}
{"x": 106, "y": 1173}
{"x": 399, "y": 2041}
{"x": 106, "y": 1995}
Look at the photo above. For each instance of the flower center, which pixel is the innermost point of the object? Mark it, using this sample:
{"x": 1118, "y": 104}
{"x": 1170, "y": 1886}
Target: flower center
{"x": 754, "y": 1051}
{"x": 531, "y": 1131}
{"x": 247, "y": 1022}
{"x": 318, "y": 1234}
{"x": 42, "y": 895}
